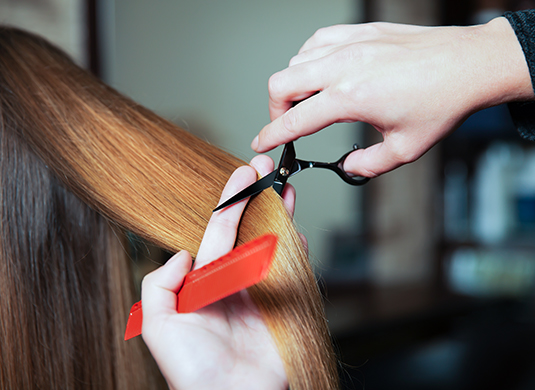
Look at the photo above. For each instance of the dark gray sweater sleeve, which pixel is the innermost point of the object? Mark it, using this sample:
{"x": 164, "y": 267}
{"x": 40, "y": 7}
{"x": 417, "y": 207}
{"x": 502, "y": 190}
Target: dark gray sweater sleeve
{"x": 523, "y": 113}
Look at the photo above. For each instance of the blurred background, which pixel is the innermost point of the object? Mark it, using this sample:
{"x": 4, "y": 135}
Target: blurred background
{"x": 428, "y": 271}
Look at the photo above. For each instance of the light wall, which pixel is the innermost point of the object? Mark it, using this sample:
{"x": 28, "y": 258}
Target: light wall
{"x": 205, "y": 65}
{"x": 62, "y": 22}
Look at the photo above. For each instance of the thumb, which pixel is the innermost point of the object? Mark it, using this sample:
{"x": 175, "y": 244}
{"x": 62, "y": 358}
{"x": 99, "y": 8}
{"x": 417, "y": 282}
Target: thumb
{"x": 377, "y": 159}
{"x": 160, "y": 287}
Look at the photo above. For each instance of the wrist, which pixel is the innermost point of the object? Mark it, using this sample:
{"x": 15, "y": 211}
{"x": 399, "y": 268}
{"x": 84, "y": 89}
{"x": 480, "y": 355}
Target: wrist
{"x": 504, "y": 72}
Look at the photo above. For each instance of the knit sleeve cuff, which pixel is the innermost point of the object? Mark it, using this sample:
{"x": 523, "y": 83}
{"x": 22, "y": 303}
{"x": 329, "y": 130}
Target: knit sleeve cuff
{"x": 523, "y": 23}
{"x": 523, "y": 113}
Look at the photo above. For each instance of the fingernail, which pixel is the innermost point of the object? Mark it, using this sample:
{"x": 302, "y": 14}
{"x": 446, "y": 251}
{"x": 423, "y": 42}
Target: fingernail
{"x": 175, "y": 257}
{"x": 254, "y": 144}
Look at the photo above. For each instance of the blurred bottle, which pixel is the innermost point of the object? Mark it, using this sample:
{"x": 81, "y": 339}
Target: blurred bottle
{"x": 493, "y": 193}
{"x": 456, "y": 219}
{"x": 524, "y": 196}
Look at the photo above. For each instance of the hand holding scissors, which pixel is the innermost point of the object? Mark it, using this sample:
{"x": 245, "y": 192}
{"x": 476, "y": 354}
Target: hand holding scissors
{"x": 406, "y": 81}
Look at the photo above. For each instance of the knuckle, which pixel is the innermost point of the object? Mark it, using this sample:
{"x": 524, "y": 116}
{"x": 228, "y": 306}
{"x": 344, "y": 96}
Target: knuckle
{"x": 403, "y": 152}
{"x": 350, "y": 82}
{"x": 346, "y": 90}
{"x": 323, "y": 35}
{"x": 276, "y": 85}
{"x": 372, "y": 29}
{"x": 320, "y": 33}
{"x": 355, "y": 53}
{"x": 290, "y": 121}
{"x": 146, "y": 281}
{"x": 349, "y": 94}
{"x": 371, "y": 173}
{"x": 225, "y": 223}
{"x": 294, "y": 60}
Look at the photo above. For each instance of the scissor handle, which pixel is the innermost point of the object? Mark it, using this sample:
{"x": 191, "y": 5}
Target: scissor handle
{"x": 338, "y": 168}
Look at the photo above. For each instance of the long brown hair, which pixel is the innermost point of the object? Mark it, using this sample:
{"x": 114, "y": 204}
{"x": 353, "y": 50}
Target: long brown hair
{"x": 140, "y": 173}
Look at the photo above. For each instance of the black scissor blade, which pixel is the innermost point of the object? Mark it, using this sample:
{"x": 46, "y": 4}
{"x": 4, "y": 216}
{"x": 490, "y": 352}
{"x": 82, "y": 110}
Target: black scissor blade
{"x": 285, "y": 166}
{"x": 288, "y": 156}
{"x": 253, "y": 189}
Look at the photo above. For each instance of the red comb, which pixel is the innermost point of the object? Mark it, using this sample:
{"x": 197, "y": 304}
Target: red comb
{"x": 246, "y": 265}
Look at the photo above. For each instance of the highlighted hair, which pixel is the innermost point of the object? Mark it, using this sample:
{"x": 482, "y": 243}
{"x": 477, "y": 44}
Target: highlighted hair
{"x": 98, "y": 161}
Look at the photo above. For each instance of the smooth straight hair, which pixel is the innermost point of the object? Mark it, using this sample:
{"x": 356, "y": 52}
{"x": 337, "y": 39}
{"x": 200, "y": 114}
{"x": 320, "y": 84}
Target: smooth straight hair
{"x": 81, "y": 164}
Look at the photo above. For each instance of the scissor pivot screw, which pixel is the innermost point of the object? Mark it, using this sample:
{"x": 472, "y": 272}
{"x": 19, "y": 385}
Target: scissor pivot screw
{"x": 284, "y": 171}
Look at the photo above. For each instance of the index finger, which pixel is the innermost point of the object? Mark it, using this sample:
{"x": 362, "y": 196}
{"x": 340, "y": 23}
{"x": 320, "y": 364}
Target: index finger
{"x": 294, "y": 84}
{"x": 308, "y": 117}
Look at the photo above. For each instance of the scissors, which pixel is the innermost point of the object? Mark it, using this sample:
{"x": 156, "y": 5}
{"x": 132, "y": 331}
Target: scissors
{"x": 289, "y": 165}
